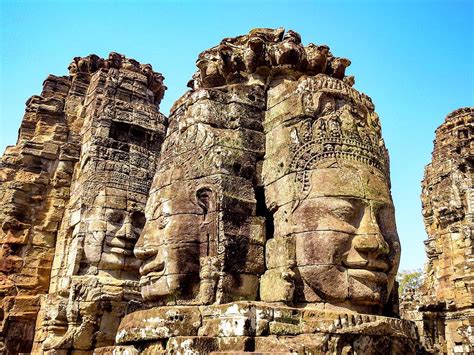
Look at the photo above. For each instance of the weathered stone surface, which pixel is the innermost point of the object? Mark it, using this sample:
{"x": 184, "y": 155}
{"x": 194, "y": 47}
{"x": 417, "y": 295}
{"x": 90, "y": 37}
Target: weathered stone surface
{"x": 268, "y": 327}
{"x": 73, "y": 192}
{"x": 444, "y": 308}
{"x": 268, "y": 225}
{"x": 271, "y": 134}
{"x": 159, "y": 323}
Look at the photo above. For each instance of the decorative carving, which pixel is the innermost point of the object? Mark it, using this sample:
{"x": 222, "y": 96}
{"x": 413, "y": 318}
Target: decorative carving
{"x": 268, "y": 224}
{"x": 261, "y": 54}
{"x": 445, "y": 310}
{"x": 270, "y": 147}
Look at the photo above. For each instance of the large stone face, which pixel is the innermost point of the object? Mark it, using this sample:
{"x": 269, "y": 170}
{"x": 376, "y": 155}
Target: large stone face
{"x": 326, "y": 181}
{"x": 268, "y": 224}
{"x": 446, "y": 313}
{"x": 272, "y": 187}
{"x": 203, "y": 242}
{"x": 73, "y": 195}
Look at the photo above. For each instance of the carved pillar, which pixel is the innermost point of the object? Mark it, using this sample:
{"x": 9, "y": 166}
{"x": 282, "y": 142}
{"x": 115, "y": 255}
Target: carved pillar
{"x": 447, "y": 191}
{"x": 271, "y": 146}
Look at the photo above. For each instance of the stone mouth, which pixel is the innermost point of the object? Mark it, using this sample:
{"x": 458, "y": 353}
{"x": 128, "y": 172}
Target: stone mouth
{"x": 152, "y": 268}
{"x": 151, "y": 277}
{"x": 369, "y": 275}
{"x": 118, "y": 251}
{"x": 376, "y": 265}
{"x": 55, "y": 325}
{"x": 118, "y": 245}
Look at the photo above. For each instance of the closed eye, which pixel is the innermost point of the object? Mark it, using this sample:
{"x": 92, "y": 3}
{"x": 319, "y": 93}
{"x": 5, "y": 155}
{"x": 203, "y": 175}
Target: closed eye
{"x": 348, "y": 210}
{"x": 115, "y": 217}
{"x": 386, "y": 220}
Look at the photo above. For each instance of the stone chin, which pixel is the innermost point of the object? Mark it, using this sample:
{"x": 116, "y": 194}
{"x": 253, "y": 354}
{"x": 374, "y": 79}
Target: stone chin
{"x": 368, "y": 287}
{"x": 156, "y": 286}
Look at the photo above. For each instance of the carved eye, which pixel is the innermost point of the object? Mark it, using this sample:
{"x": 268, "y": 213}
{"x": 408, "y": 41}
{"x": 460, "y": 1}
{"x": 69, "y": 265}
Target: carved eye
{"x": 115, "y": 217}
{"x": 138, "y": 219}
{"x": 350, "y": 211}
{"x": 386, "y": 220}
{"x": 162, "y": 221}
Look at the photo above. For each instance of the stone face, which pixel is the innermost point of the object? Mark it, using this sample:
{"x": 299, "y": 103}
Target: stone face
{"x": 268, "y": 224}
{"x": 73, "y": 193}
{"x": 264, "y": 133}
{"x": 272, "y": 187}
{"x": 444, "y": 308}
{"x": 326, "y": 180}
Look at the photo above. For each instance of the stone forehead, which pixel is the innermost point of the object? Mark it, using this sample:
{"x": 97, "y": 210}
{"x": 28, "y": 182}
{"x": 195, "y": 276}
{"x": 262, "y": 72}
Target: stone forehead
{"x": 346, "y": 180}
{"x": 350, "y": 181}
{"x": 109, "y": 185}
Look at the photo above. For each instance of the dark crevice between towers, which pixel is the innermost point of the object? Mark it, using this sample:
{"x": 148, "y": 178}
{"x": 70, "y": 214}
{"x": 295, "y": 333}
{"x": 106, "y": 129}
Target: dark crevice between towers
{"x": 263, "y": 211}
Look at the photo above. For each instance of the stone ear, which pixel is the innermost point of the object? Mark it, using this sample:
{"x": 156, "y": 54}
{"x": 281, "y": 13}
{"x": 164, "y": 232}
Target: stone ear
{"x": 204, "y": 199}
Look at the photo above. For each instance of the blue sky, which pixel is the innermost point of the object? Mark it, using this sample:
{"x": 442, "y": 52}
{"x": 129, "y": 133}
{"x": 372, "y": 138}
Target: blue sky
{"x": 414, "y": 58}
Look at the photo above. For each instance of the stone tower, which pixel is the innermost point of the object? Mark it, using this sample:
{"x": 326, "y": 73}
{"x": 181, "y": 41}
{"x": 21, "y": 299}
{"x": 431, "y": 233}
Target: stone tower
{"x": 448, "y": 203}
{"x": 258, "y": 217}
{"x": 73, "y": 191}
{"x": 270, "y": 223}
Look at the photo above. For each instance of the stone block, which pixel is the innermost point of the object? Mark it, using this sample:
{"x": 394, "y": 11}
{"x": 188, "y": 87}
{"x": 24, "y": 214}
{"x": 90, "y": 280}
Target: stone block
{"x": 159, "y": 323}
{"x": 277, "y": 285}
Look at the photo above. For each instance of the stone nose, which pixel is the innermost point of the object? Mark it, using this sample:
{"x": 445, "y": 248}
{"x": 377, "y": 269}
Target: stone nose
{"x": 369, "y": 238}
{"x": 371, "y": 243}
{"x": 143, "y": 250}
{"x": 126, "y": 230}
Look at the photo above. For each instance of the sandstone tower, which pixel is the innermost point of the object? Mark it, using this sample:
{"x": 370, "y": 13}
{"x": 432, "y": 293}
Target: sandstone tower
{"x": 73, "y": 191}
{"x": 448, "y": 212}
{"x": 270, "y": 225}
{"x": 257, "y": 217}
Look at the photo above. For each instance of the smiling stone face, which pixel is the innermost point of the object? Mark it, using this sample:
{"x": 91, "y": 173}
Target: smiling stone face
{"x": 203, "y": 242}
{"x": 179, "y": 229}
{"x": 344, "y": 237}
{"x": 110, "y": 234}
{"x": 326, "y": 184}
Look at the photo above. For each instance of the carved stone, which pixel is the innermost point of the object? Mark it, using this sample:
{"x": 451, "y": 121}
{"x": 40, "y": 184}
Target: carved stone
{"x": 444, "y": 308}
{"x": 270, "y": 223}
{"x": 73, "y": 194}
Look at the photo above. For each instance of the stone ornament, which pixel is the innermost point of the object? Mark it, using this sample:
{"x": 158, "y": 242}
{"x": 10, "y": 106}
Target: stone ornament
{"x": 443, "y": 308}
{"x": 257, "y": 217}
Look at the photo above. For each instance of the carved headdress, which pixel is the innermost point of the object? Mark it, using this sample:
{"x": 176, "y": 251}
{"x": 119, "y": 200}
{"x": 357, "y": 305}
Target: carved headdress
{"x": 96, "y": 182}
{"x": 338, "y": 124}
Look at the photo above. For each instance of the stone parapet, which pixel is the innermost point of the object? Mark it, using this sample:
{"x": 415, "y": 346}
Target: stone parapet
{"x": 257, "y": 327}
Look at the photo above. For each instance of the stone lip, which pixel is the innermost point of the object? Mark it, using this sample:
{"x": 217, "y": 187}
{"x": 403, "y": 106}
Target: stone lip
{"x": 252, "y": 319}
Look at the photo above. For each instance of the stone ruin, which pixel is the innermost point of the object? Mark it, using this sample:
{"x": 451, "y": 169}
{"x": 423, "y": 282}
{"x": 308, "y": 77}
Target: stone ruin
{"x": 73, "y": 193}
{"x": 444, "y": 307}
{"x": 257, "y": 217}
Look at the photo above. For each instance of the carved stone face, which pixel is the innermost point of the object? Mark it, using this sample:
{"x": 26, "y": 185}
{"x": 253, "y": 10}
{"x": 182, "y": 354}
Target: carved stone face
{"x": 327, "y": 184}
{"x": 177, "y": 233}
{"x": 110, "y": 233}
{"x": 347, "y": 247}
{"x": 14, "y": 235}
